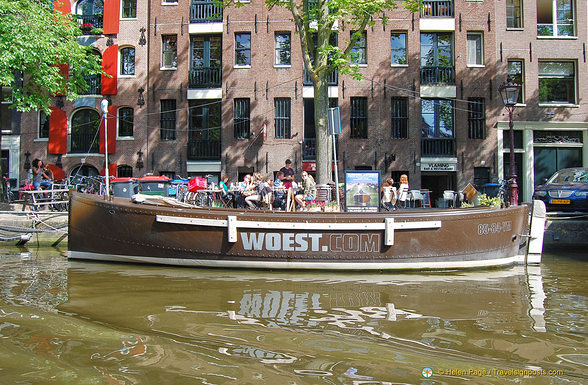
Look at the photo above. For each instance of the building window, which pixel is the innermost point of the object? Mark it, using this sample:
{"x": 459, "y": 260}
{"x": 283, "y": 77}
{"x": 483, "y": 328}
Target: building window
{"x": 85, "y": 127}
{"x": 169, "y": 50}
{"x": 399, "y": 118}
{"x": 124, "y": 171}
{"x": 282, "y": 48}
{"x": 513, "y": 14}
{"x": 555, "y": 18}
{"x": 241, "y": 118}
{"x": 477, "y": 118}
{"x": 398, "y": 48}
{"x": 5, "y": 112}
{"x": 205, "y": 61}
{"x": 43, "y": 125}
{"x": 127, "y": 61}
{"x": 475, "y": 43}
{"x": 437, "y": 58}
{"x": 557, "y": 82}
{"x": 243, "y": 49}
{"x": 282, "y": 118}
{"x": 168, "y": 119}
{"x": 359, "y": 50}
{"x": 129, "y": 9}
{"x": 436, "y": 118}
{"x": 516, "y": 71}
{"x": 359, "y": 118}
{"x": 125, "y": 122}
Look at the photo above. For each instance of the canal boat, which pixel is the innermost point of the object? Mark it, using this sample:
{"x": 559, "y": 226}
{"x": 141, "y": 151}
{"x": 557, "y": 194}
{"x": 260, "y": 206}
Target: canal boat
{"x": 169, "y": 232}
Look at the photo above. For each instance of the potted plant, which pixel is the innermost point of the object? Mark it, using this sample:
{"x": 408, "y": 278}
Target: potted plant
{"x": 86, "y": 28}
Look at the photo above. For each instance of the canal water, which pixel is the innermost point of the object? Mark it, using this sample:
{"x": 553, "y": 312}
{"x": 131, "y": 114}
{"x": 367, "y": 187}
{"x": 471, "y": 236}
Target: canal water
{"x": 72, "y": 322}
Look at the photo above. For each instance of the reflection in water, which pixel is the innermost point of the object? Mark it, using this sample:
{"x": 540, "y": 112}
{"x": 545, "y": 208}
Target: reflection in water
{"x": 120, "y": 324}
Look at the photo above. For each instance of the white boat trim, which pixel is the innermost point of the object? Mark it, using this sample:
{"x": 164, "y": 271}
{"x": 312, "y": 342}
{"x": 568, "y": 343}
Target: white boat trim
{"x": 391, "y": 265}
{"x": 232, "y": 224}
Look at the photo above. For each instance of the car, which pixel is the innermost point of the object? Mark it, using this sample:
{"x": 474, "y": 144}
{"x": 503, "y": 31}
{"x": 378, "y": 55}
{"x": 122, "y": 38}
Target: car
{"x": 566, "y": 190}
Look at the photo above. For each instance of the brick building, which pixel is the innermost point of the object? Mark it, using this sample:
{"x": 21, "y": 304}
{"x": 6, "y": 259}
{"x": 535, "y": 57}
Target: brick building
{"x": 197, "y": 90}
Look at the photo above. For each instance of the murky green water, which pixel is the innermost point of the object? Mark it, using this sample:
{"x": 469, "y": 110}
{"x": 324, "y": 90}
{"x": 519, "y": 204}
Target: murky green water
{"x": 65, "y": 322}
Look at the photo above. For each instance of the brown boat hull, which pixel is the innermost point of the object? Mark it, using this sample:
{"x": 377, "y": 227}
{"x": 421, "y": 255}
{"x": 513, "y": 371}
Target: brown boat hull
{"x": 120, "y": 230}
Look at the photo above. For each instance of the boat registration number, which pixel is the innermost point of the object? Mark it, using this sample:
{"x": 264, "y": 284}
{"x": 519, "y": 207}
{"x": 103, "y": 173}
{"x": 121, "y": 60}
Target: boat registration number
{"x": 560, "y": 201}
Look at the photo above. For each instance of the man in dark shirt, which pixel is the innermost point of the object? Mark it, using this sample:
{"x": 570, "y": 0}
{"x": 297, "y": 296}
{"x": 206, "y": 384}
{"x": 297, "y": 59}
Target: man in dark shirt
{"x": 288, "y": 174}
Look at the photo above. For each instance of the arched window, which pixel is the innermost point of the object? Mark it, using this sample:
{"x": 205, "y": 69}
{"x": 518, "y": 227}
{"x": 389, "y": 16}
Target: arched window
{"x": 125, "y": 121}
{"x": 127, "y": 61}
{"x": 85, "y": 127}
{"x": 124, "y": 171}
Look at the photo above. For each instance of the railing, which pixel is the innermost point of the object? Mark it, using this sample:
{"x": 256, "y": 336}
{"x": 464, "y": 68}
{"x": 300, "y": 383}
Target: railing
{"x": 94, "y": 85}
{"x": 205, "y": 77}
{"x": 205, "y": 11}
{"x": 309, "y": 149}
{"x": 438, "y": 147}
{"x": 84, "y": 142}
{"x": 438, "y": 75}
{"x": 437, "y": 8}
{"x": 89, "y": 22}
{"x": 199, "y": 149}
{"x": 331, "y": 80}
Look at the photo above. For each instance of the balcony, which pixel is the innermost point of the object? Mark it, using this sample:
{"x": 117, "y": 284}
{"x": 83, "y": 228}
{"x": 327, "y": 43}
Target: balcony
{"x": 94, "y": 85}
{"x": 438, "y": 75}
{"x": 205, "y": 11}
{"x": 205, "y": 77}
{"x": 90, "y": 24}
{"x": 204, "y": 149}
{"x": 438, "y": 147}
{"x": 437, "y": 8}
{"x": 332, "y": 80}
{"x": 309, "y": 149}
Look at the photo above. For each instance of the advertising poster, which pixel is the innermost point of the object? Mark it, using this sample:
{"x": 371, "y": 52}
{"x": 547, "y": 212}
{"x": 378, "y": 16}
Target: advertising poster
{"x": 362, "y": 191}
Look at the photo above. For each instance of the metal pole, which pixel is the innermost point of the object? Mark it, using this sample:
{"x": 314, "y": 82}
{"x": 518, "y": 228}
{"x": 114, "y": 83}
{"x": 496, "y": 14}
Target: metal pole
{"x": 104, "y": 105}
{"x": 513, "y": 186}
{"x": 336, "y": 172}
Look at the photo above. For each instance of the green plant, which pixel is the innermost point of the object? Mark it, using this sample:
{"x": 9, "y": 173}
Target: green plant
{"x": 485, "y": 200}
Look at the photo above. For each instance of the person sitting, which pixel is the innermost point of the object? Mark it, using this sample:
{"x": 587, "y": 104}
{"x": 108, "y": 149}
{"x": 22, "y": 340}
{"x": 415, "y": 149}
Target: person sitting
{"x": 389, "y": 195}
{"x": 279, "y": 192}
{"x": 242, "y": 191}
{"x": 308, "y": 192}
{"x": 403, "y": 190}
{"x": 253, "y": 194}
{"x": 42, "y": 176}
{"x": 226, "y": 195}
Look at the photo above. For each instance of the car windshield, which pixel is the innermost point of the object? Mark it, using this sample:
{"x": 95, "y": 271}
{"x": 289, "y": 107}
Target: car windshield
{"x": 569, "y": 176}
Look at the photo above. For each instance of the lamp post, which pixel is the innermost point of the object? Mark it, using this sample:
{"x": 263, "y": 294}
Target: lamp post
{"x": 104, "y": 107}
{"x": 509, "y": 91}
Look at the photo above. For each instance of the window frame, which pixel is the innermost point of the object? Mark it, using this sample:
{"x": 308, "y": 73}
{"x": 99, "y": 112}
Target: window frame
{"x": 123, "y": 61}
{"x": 282, "y": 118}
{"x": 41, "y": 124}
{"x": 358, "y": 117}
{"x": 166, "y": 49}
{"x": 479, "y": 49}
{"x": 129, "y": 124}
{"x": 476, "y": 118}
{"x": 517, "y": 77}
{"x": 242, "y": 118}
{"x": 514, "y": 6}
{"x": 128, "y": 6}
{"x": 240, "y": 50}
{"x": 396, "y": 63}
{"x": 399, "y": 117}
{"x": 437, "y": 114}
{"x": 280, "y": 48}
{"x": 168, "y": 119}
{"x": 572, "y": 79}
{"x": 554, "y": 24}
{"x": 359, "y": 52}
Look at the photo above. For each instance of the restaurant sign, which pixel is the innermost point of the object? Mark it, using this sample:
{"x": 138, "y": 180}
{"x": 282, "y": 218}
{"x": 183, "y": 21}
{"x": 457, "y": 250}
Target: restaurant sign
{"x": 438, "y": 166}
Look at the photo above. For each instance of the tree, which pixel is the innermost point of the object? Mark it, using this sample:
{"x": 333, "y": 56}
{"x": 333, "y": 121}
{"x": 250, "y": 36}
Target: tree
{"x": 316, "y": 21}
{"x": 41, "y": 56}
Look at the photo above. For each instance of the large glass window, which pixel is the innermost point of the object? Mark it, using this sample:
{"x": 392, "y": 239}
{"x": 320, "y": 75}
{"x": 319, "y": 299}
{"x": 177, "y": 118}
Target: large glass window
{"x": 168, "y": 119}
{"x": 359, "y": 50}
{"x": 169, "y": 51}
{"x": 205, "y": 120}
{"x": 85, "y": 124}
{"x": 127, "y": 61}
{"x": 282, "y": 118}
{"x": 555, "y": 18}
{"x": 513, "y": 14}
{"x": 359, "y": 118}
{"x": 516, "y": 71}
{"x": 437, "y": 58}
{"x": 125, "y": 121}
{"x": 398, "y": 48}
{"x": 477, "y": 118}
{"x": 557, "y": 82}
{"x": 243, "y": 49}
{"x": 475, "y": 44}
{"x": 282, "y": 48}
{"x": 436, "y": 118}
{"x": 241, "y": 118}
{"x": 129, "y": 9}
{"x": 399, "y": 117}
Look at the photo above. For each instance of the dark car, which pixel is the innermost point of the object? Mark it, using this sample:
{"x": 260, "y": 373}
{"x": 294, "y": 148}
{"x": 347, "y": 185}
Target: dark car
{"x": 566, "y": 190}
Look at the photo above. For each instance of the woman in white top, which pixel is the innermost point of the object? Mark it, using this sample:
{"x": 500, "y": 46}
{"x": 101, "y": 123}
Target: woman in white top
{"x": 403, "y": 190}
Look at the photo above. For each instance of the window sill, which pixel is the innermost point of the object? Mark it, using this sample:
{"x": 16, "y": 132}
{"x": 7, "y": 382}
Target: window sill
{"x": 475, "y": 66}
{"x": 128, "y": 18}
{"x": 360, "y": 65}
{"x": 125, "y": 138}
{"x": 282, "y": 65}
{"x": 515, "y": 29}
{"x": 168, "y": 4}
{"x": 398, "y": 65}
{"x": 168, "y": 69}
{"x": 242, "y": 67}
{"x": 127, "y": 76}
{"x": 557, "y": 37}
{"x": 38, "y": 139}
{"x": 564, "y": 105}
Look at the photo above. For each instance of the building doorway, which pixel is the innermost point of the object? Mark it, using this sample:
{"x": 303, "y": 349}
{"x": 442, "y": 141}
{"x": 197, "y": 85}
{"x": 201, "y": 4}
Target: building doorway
{"x": 437, "y": 182}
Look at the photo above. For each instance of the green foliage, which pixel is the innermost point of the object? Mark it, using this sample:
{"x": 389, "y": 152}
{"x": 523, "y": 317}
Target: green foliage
{"x": 34, "y": 41}
{"x": 485, "y": 200}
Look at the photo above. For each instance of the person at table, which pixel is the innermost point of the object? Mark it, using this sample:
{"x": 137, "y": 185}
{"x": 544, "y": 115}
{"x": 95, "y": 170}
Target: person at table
{"x": 308, "y": 192}
{"x": 279, "y": 192}
{"x": 403, "y": 190}
{"x": 41, "y": 176}
{"x": 242, "y": 191}
{"x": 288, "y": 172}
{"x": 224, "y": 190}
{"x": 389, "y": 196}
{"x": 253, "y": 193}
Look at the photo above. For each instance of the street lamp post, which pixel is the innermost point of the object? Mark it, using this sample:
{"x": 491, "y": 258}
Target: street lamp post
{"x": 104, "y": 107}
{"x": 509, "y": 91}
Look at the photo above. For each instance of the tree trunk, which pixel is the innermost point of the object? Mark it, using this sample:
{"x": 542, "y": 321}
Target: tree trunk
{"x": 321, "y": 106}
